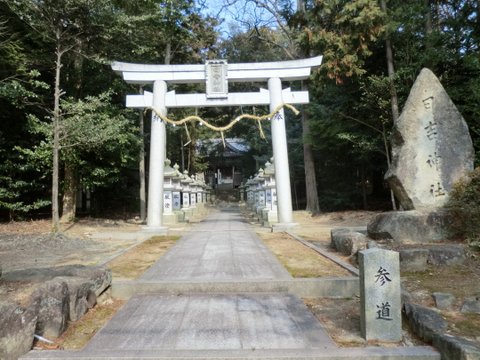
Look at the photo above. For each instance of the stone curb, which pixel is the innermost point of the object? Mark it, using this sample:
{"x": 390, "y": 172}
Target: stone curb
{"x": 326, "y": 254}
{"x": 430, "y": 327}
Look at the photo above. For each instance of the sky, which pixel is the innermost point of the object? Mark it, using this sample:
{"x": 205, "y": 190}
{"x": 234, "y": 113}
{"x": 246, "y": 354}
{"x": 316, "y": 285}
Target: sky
{"x": 239, "y": 13}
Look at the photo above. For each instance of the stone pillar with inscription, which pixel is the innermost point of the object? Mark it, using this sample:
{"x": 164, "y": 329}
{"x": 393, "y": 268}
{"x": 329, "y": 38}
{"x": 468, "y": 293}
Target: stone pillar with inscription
{"x": 380, "y": 301}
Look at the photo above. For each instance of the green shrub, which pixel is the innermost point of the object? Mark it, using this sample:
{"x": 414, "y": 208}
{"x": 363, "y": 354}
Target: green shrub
{"x": 464, "y": 207}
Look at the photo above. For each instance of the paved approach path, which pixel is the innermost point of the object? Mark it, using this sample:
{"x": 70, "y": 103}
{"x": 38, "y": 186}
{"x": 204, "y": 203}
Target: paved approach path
{"x": 221, "y": 326}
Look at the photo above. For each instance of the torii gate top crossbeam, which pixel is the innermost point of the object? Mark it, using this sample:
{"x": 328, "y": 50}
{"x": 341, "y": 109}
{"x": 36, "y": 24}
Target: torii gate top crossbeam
{"x": 243, "y": 72}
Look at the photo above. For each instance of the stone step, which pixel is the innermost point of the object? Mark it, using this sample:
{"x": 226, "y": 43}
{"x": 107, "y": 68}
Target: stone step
{"x": 365, "y": 353}
{"x": 344, "y": 287}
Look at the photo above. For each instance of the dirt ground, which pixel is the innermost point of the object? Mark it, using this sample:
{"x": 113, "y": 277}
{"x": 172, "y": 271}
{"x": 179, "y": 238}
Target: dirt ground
{"x": 29, "y": 244}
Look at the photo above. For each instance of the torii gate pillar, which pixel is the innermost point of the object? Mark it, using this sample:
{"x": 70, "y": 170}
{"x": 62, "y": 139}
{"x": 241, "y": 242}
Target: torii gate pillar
{"x": 158, "y": 143}
{"x": 280, "y": 153}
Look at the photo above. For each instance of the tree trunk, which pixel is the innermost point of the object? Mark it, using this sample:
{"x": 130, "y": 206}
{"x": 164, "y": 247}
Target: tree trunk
{"x": 313, "y": 205}
{"x": 428, "y": 31}
{"x": 70, "y": 185}
{"x": 428, "y": 19}
{"x": 168, "y": 53}
{"x": 56, "y": 137}
{"x": 393, "y": 94}
{"x": 363, "y": 180}
{"x": 141, "y": 167}
{"x": 69, "y": 194}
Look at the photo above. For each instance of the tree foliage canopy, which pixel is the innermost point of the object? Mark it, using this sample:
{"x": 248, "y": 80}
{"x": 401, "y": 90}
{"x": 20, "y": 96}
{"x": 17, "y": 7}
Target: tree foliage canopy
{"x": 349, "y": 115}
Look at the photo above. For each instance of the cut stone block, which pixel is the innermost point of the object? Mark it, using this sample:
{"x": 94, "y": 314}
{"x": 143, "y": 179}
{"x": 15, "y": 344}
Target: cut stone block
{"x": 347, "y": 242}
{"x": 471, "y": 305}
{"x": 380, "y": 297}
{"x": 443, "y": 300}
{"x": 431, "y": 146}
{"x": 413, "y": 259}
{"x": 446, "y": 254}
{"x": 410, "y": 226}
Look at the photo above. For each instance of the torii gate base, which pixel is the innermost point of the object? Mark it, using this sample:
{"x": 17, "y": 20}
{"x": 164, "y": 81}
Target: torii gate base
{"x": 161, "y": 100}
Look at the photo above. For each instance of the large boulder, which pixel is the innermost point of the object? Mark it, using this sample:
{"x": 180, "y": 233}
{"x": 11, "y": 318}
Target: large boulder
{"x": 431, "y": 146}
{"x": 50, "y": 302}
{"x": 17, "y": 327}
{"x": 410, "y": 226}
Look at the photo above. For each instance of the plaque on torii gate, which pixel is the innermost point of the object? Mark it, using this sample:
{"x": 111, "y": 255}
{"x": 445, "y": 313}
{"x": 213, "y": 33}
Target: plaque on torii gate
{"x": 216, "y": 75}
{"x": 216, "y": 86}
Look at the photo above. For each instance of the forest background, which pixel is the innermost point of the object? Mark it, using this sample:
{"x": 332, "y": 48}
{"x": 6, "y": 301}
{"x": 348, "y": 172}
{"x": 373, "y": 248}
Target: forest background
{"x": 65, "y": 128}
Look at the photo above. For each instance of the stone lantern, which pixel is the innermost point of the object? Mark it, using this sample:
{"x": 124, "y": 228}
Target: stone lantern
{"x": 259, "y": 192}
{"x": 193, "y": 193}
{"x": 208, "y": 193}
{"x": 177, "y": 189}
{"x": 250, "y": 192}
{"x": 185, "y": 182}
{"x": 199, "y": 191}
{"x": 270, "y": 214}
{"x": 203, "y": 193}
{"x": 168, "y": 175}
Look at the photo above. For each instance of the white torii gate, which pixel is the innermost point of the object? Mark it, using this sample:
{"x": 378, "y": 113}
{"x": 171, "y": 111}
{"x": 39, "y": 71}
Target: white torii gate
{"x": 217, "y": 74}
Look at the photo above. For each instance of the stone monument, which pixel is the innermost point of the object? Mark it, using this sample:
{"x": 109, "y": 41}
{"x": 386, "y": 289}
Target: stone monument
{"x": 431, "y": 146}
{"x": 431, "y": 150}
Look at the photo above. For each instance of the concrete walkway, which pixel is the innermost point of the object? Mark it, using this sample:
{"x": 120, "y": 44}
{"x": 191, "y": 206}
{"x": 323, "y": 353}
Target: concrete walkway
{"x": 222, "y": 247}
{"x": 219, "y": 326}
